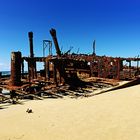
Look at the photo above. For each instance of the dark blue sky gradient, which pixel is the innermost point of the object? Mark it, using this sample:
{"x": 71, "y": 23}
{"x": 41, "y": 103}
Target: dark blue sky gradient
{"x": 115, "y": 24}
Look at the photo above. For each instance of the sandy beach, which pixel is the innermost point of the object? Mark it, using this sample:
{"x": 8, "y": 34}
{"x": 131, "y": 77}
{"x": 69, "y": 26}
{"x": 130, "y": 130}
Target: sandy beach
{"x": 110, "y": 116}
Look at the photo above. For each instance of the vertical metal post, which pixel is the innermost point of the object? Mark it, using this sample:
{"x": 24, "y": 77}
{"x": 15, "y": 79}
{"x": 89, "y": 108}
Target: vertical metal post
{"x": 118, "y": 68}
{"x": 22, "y": 66}
{"x": 32, "y": 63}
{"x": 91, "y": 68}
{"x": 94, "y": 45}
{"x": 46, "y": 62}
{"x": 30, "y": 34}
{"x": 47, "y": 69}
{"x": 130, "y": 68}
{"x": 16, "y": 68}
{"x": 55, "y": 73}
{"x": 138, "y": 64}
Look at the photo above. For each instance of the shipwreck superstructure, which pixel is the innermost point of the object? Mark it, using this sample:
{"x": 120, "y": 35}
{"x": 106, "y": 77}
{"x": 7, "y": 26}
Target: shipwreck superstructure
{"x": 64, "y": 68}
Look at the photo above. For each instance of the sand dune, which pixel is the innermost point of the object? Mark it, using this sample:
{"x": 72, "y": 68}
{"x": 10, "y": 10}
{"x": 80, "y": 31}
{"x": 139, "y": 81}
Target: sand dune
{"x": 110, "y": 116}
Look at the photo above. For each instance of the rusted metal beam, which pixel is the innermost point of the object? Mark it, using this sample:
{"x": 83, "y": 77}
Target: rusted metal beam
{"x": 16, "y": 68}
{"x": 32, "y": 62}
{"x": 53, "y": 34}
{"x": 30, "y": 35}
{"x": 94, "y": 45}
{"x": 55, "y": 74}
{"x": 47, "y": 70}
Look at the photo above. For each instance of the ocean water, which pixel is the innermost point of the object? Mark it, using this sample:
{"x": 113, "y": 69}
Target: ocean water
{"x": 9, "y": 72}
{"x": 5, "y": 72}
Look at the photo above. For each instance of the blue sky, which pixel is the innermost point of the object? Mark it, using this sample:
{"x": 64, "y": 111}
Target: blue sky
{"x": 114, "y": 24}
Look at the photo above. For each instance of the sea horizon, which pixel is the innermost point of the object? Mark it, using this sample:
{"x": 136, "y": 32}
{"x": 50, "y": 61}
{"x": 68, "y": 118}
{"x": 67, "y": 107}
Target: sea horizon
{"x": 6, "y": 72}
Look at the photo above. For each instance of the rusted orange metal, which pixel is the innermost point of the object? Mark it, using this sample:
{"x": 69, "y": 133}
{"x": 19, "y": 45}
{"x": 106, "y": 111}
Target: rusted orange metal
{"x": 15, "y": 69}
